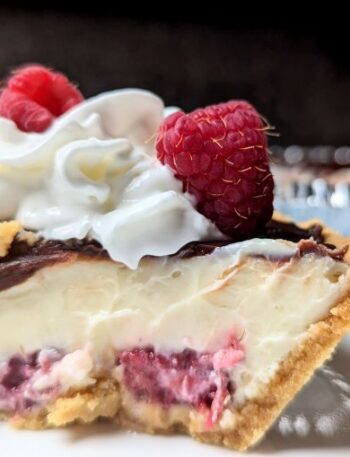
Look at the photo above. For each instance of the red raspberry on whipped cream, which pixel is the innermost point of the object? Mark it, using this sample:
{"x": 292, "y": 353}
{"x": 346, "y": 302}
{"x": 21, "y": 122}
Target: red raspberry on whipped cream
{"x": 35, "y": 95}
{"x": 220, "y": 154}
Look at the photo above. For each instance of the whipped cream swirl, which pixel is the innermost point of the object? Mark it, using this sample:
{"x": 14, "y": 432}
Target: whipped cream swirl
{"x": 94, "y": 173}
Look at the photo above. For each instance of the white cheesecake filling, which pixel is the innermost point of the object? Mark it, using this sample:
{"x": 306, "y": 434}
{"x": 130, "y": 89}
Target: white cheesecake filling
{"x": 172, "y": 304}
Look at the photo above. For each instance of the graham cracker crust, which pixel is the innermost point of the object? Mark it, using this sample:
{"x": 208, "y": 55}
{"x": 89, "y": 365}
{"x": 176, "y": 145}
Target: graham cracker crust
{"x": 102, "y": 400}
{"x": 241, "y": 429}
{"x": 256, "y": 416}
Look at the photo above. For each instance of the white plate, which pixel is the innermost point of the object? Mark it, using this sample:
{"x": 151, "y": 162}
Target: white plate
{"x": 317, "y": 423}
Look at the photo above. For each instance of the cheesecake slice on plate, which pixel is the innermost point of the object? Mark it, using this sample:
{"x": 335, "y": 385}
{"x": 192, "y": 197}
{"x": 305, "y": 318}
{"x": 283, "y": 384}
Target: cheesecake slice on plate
{"x": 212, "y": 341}
{"x": 144, "y": 281}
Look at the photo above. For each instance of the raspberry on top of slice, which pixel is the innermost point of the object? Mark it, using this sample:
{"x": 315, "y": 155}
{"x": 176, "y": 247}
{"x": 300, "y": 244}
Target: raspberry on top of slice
{"x": 35, "y": 95}
{"x": 220, "y": 154}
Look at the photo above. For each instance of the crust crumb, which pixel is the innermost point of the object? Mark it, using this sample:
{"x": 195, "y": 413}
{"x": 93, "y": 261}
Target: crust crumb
{"x": 102, "y": 400}
{"x": 8, "y": 232}
{"x": 28, "y": 237}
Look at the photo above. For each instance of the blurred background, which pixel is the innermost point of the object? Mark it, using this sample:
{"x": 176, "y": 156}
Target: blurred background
{"x": 293, "y": 67}
{"x": 298, "y": 75}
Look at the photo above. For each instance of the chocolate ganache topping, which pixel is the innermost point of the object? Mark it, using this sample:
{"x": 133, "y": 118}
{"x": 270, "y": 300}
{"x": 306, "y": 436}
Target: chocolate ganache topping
{"x": 24, "y": 260}
{"x": 272, "y": 230}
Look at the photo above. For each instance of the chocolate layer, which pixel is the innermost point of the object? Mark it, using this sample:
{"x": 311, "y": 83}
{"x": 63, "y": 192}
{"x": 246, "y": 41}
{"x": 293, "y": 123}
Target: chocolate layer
{"x": 24, "y": 260}
{"x": 310, "y": 247}
{"x": 272, "y": 230}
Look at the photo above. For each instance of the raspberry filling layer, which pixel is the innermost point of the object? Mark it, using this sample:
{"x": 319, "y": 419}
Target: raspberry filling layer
{"x": 201, "y": 380}
{"x": 188, "y": 377}
{"x": 19, "y": 376}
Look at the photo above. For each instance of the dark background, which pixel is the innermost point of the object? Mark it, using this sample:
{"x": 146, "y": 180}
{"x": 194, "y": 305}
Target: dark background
{"x": 296, "y": 72}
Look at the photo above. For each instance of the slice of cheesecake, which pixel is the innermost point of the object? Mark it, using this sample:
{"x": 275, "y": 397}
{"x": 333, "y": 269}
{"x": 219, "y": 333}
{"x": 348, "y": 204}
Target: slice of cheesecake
{"x": 213, "y": 341}
{"x": 151, "y": 286}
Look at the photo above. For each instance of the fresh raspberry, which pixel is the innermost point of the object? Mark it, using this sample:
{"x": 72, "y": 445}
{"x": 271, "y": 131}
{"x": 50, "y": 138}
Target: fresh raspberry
{"x": 35, "y": 95}
{"x": 220, "y": 155}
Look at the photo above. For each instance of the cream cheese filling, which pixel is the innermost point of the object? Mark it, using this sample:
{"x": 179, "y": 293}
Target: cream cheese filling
{"x": 171, "y": 303}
